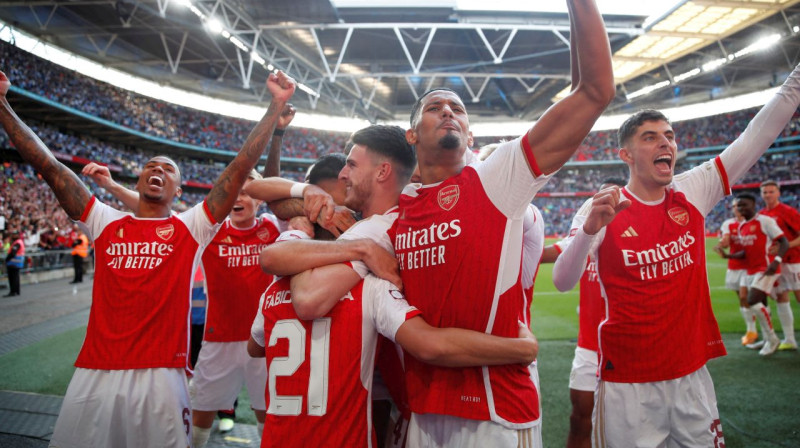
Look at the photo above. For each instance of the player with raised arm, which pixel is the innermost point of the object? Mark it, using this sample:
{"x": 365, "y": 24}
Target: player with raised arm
{"x": 374, "y": 178}
{"x": 660, "y": 330}
{"x": 788, "y": 220}
{"x": 756, "y": 234}
{"x": 465, "y": 223}
{"x": 234, "y": 282}
{"x": 583, "y": 376}
{"x": 737, "y": 269}
{"x": 130, "y": 371}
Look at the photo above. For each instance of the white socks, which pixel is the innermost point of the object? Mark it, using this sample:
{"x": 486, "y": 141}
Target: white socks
{"x": 200, "y": 436}
{"x": 764, "y": 319}
{"x": 787, "y": 321}
{"x": 749, "y": 319}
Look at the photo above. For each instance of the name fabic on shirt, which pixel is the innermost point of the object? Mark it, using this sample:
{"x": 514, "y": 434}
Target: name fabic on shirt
{"x": 662, "y": 260}
{"x": 421, "y": 248}
{"x": 241, "y": 255}
{"x": 137, "y": 255}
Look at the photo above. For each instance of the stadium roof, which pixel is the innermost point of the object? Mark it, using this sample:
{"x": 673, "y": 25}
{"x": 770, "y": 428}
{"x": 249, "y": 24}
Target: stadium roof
{"x": 373, "y": 61}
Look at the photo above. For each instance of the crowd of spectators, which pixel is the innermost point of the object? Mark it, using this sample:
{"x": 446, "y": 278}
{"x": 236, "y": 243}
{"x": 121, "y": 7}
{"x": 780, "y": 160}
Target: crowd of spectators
{"x": 149, "y": 115}
{"x": 39, "y": 212}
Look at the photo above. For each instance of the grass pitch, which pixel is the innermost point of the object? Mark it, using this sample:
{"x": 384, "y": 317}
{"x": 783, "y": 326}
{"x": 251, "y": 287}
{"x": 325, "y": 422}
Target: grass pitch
{"x": 758, "y": 397}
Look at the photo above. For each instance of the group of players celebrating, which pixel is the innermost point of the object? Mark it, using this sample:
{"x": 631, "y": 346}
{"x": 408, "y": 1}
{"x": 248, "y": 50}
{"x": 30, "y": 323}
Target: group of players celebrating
{"x": 433, "y": 284}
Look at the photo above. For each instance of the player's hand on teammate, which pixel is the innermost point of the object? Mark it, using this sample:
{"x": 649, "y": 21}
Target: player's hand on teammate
{"x": 720, "y": 251}
{"x": 605, "y": 206}
{"x": 381, "y": 262}
{"x": 302, "y": 224}
{"x": 4, "y": 84}
{"x": 525, "y": 333}
{"x": 281, "y": 86}
{"x": 100, "y": 174}
{"x": 286, "y": 117}
{"x": 318, "y": 205}
{"x": 342, "y": 220}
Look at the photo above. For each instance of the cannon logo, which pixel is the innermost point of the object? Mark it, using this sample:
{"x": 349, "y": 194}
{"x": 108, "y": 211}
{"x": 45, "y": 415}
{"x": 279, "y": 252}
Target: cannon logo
{"x": 165, "y": 232}
{"x": 448, "y": 197}
{"x": 679, "y": 215}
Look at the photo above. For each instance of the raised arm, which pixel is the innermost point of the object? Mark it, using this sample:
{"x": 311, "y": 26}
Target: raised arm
{"x": 562, "y": 128}
{"x": 457, "y": 347}
{"x": 226, "y": 189}
{"x": 101, "y": 175}
{"x": 592, "y": 217}
{"x": 273, "y": 165}
{"x": 72, "y": 194}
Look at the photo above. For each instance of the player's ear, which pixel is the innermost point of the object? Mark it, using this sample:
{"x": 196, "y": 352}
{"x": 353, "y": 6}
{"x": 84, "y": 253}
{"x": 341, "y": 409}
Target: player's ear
{"x": 411, "y": 136}
{"x": 384, "y": 172}
{"x": 625, "y": 155}
{"x": 178, "y": 192}
{"x": 470, "y": 141}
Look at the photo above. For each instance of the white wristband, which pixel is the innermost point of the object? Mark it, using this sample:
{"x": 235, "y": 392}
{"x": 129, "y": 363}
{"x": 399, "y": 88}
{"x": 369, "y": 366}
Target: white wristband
{"x": 297, "y": 190}
{"x": 778, "y": 259}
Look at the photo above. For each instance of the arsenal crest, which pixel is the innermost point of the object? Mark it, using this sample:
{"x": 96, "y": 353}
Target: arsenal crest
{"x": 679, "y": 215}
{"x": 165, "y": 232}
{"x": 448, "y": 197}
{"x": 263, "y": 234}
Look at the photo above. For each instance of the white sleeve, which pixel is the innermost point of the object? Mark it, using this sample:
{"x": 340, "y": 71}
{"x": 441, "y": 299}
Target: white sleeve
{"x": 198, "y": 221}
{"x": 532, "y": 244}
{"x": 374, "y": 228}
{"x": 771, "y": 227}
{"x": 762, "y": 131}
{"x": 257, "y": 329}
{"x": 726, "y": 228}
{"x": 705, "y": 185}
{"x": 386, "y": 305}
{"x": 576, "y": 248}
{"x": 99, "y": 217}
{"x": 507, "y": 178}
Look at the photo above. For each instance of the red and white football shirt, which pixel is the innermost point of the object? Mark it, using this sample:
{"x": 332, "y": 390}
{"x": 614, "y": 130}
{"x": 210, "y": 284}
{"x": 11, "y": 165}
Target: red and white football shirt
{"x": 591, "y": 302}
{"x": 459, "y": 245}
{"x": 788, "y": 220}
{"x": 731, "y": 227}
{"x": 143, "y": 283}
{"x": 755, "y": 236}
{"x": 532, "y": 249}
{"x": 234, "y": 279}
{"x": 320, "y": 372}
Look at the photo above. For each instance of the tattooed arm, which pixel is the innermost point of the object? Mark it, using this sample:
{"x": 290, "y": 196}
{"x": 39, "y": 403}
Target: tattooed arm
{"x": 225, "y": 190}
{"x": 72, "y": 194}
{"x": 273, "y": 166}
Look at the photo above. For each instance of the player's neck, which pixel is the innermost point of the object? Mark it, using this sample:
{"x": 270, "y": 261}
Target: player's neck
{"x": 244, "y": 224}
{"x": 148, "y": 209}
{"x": 379, "y": 204}
{"x": 439, "y": 164}
{"x": 770, "y": 207}
{"x": 646, "y": 191}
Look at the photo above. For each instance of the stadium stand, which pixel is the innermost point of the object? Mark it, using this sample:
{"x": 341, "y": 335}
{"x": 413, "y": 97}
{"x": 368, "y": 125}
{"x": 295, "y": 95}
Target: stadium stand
{"x": 699, "y": 140}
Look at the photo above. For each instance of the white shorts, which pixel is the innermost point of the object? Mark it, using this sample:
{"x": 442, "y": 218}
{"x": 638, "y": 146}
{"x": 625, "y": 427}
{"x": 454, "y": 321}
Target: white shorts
{"x": 680, "y": 412}
{"x": 584, "y": 370}
{"x": 761, "y": 282}
{"x": 438, "y": 431}
{"x": 789, "y": 278}
{"x": 222, "y": 369}
{"x": 733, "y": 278}
{"x": 111, "y": 408}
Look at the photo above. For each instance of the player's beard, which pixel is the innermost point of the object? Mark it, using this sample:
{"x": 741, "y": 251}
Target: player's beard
{"x": 450, "y": 141}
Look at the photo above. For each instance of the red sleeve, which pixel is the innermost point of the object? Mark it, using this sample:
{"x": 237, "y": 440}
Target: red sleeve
{"x": 526, "y": 147}
{"x": 88, "y": 209}
{"x": 208, "y": 213}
